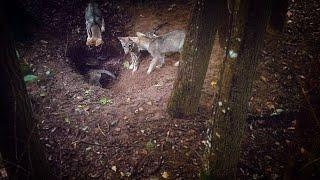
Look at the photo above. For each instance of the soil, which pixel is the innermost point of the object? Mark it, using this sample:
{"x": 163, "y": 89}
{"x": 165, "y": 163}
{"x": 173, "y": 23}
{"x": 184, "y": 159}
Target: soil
{"x": 123, "y": 130}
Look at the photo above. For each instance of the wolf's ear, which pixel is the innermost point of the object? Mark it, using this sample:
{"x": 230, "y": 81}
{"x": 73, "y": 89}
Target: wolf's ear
{"x": 120, "y": 39}
{"x": 139, "y": 34}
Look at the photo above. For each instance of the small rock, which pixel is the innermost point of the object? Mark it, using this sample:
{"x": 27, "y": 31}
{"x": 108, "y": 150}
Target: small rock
{"x": 264, "y": 79}
{"x": 44, "y": 42}
{"x": 113, "y": 123}
{"x": 165, "y": 174}
{"x": 158, "y": 99}
{"x": 114, "y": 168}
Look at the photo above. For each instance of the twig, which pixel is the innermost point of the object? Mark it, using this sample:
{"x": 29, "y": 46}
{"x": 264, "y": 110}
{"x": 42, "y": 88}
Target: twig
{"x": 307, "y": 99}
{"x": 108, "y": 126}
{"x": 196, "y": 152}
{"x": 60, "y": 158}
{"x": 101, "y": 131}
{"x": 66, "y": 48}
{"x": 17, "y": 166}
{"x": 89, "y": 143}
{"x": 310, "y": 163}
{"x": 102, "y": 145}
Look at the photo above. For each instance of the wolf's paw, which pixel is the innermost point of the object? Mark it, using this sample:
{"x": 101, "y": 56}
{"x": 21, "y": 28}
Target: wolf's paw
{"x": 89, "y": 41}
{"x": 149, "y": 71}
{"x": 134, "y": 70}
{"x": 159, "y": 66}
{"x": 99, "y": 42}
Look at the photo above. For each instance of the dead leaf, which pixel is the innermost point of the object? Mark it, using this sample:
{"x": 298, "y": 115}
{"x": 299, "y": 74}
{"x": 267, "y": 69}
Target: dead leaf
{"x": 218, "y": 135}
{"x": 165, "y": 175}
{"x": 44, "y": 42}
{"x": 264, "y": 79}
{"x": 213, "y": 83}
{"x": 114, "y": 168}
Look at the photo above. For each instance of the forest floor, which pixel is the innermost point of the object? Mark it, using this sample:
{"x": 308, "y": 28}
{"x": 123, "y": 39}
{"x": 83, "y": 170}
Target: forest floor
{"x": 124, "y": 131}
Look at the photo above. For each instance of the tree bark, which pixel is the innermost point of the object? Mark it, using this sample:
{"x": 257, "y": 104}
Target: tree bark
{"x": 226, "y": 127}
{"x": 195, "y": 58}
{"x": 278, "y": 15}
{"x": 19, "y": 140}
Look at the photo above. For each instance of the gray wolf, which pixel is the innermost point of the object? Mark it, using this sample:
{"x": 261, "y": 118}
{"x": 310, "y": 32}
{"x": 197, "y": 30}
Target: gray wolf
{"x": 94, "y": 24}
{"x": 129, "y": 47}
{"x": 160, "y": 45}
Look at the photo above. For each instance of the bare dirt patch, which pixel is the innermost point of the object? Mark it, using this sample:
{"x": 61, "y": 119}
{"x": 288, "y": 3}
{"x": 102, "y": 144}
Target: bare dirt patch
{"x": 124, "y": 130}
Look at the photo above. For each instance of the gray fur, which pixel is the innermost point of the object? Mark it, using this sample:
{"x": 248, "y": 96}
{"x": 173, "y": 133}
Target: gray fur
{"x": 129, "y": 47}
{"x": 94, "y": 24}
{"x": 160, "y": 45}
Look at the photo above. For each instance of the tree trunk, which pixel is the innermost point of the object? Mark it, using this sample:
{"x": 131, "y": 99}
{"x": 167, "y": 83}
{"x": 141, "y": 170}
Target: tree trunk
{"x": 226, "y": 128}
{"x": 195, "y": 58}
{"x": 278, "y": 15}
{"x": 19, "y": 141}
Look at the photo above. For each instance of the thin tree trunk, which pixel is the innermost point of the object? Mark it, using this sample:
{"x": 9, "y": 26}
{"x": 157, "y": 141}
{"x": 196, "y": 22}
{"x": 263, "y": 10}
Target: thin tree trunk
{"x": 195, "y": 58}
{"x": 226, "y": 128}
{"x": 278, "y": 15}
{"x": 19, "y": 140}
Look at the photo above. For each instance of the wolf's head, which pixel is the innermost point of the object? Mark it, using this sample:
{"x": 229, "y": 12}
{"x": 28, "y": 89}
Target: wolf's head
{"x": 126, "y": 44}
{"x": 96, "y": 38}
{"x": 142, "y": 40}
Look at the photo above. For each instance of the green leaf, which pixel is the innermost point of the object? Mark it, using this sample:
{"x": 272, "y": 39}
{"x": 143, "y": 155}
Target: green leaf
{"x": 67, "y": 120}
{"x": 126, "y": 64}
{"x": 30, "y": 77}
{"x": 149, "y": 145}
{"x": 87, "y": 92}
{"x": 104, "y": 101}
{"x": 233, "y": 54}
{"x": 48, "y": 72}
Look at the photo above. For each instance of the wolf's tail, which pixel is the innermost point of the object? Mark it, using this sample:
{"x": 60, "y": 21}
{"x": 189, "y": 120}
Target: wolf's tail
{"x": 102, "y": 71}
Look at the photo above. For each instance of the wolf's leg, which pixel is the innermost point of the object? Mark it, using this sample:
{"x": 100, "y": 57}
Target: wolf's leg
{"x": 88, "y": 29}
{"x": 89, "y": 38}
{"x": 99, "y": 42}
{"x": 132, "y": 55}
{"x": 178, "y": 62}
{"x": 135, "y": 62}
{"x": 161, "y": 60}
{"x": 152, "y": 65}
{"x": 103, "y": 28}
